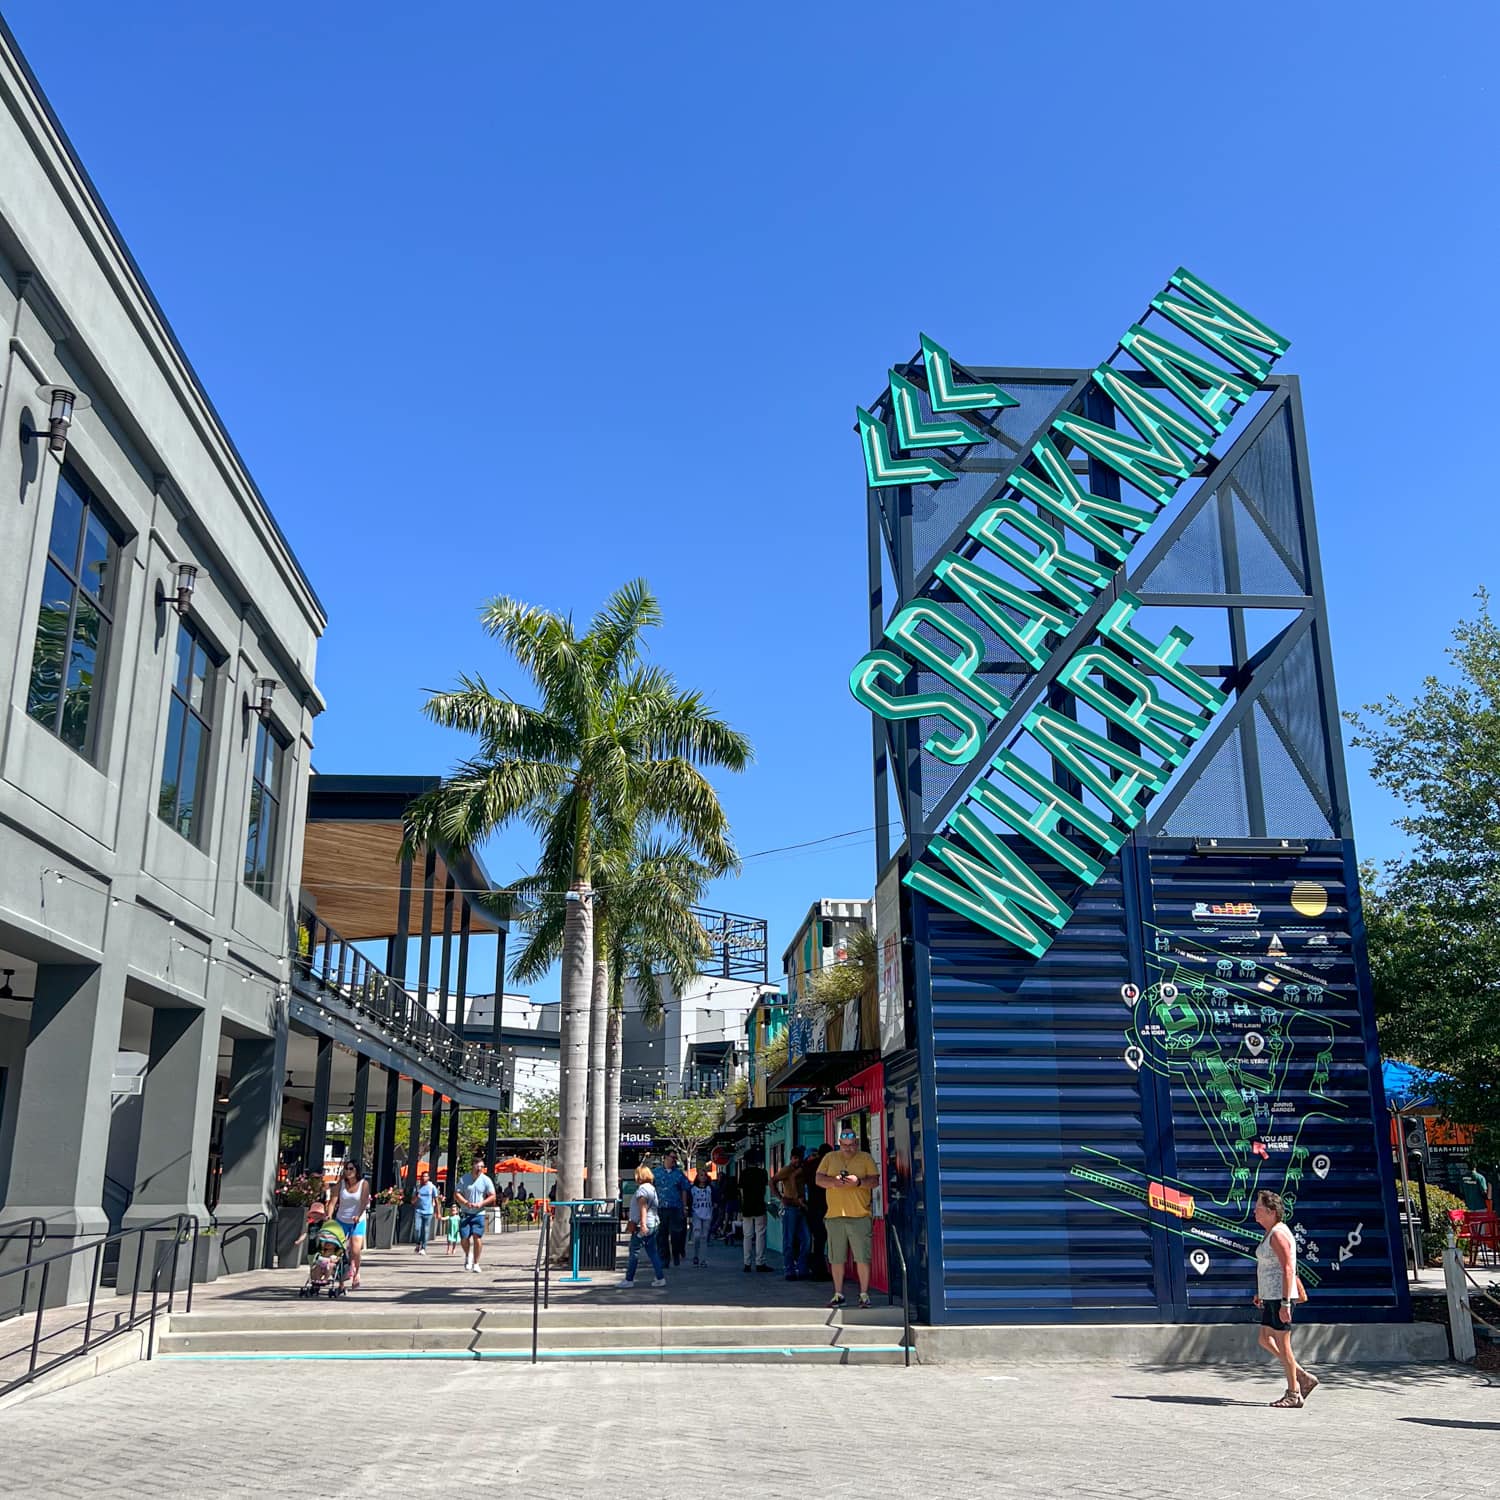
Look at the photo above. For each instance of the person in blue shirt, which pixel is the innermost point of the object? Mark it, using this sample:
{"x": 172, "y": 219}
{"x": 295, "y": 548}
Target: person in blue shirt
{"x": 425, "y": 1202}
{"x": 476, "y": 1192}
{"x": 675, "y": 1201}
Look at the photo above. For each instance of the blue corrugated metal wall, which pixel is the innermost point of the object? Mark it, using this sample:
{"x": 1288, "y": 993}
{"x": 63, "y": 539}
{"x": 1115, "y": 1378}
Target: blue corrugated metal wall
{"x": 1070, "y": 1185}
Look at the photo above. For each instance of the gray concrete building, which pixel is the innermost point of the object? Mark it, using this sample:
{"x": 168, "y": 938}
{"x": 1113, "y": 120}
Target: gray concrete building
{"x": 157, "y": 649}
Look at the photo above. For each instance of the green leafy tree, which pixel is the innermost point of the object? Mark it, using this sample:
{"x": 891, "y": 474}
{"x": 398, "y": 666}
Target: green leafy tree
{"x": 687, "y": 1122}
{"x": 1433, "y": 916}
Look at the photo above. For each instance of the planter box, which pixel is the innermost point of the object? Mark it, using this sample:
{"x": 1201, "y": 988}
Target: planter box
{"x": 290, "y": 1221}
{"x": 384, "y": 1221}
{"x": 208, "y": 1260}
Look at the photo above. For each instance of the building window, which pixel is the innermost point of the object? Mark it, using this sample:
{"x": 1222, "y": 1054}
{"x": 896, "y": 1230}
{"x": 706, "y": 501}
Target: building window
{"x": 265, "y": 813}
{"x": 72, "y": 630}
{"x": 184, "y": 768}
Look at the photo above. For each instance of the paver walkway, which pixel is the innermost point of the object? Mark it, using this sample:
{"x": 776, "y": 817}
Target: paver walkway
{"x": 367, "y": 1430}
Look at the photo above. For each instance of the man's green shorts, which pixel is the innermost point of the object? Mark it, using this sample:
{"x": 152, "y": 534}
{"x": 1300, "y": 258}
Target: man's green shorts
{"x": 848, "y": 1234}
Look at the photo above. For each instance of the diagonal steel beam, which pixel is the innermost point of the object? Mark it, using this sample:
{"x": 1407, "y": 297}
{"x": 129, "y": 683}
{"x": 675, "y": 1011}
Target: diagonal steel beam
{"x": 1259, "y": 670}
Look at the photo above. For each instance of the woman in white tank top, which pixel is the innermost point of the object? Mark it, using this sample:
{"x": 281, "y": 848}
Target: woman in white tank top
{"x": 353, "y": 1199}
{"x": 1277, "y": 1290}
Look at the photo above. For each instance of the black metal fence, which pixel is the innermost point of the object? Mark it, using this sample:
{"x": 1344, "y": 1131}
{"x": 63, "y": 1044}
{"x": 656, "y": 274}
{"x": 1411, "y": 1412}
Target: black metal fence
{"x": 329, "y": 964}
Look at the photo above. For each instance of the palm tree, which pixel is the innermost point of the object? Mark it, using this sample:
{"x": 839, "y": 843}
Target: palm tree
{"x": 653, "y": 934}
{"x": 611, "y": 742}
{"x": 644, "y": 930}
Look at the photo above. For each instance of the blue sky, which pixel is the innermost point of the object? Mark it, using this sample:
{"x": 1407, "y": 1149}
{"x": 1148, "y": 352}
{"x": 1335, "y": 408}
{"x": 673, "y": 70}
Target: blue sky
{"x": 499, "y": 299}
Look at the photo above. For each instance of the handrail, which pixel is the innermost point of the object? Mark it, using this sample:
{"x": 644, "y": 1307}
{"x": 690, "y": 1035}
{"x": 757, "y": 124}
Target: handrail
{"x": 543, "y": 1259}
{"x": 36, "y": 1234}
{"x": 335, "y": 965}
{"x": 225, "y": 1230}
{"x": 893, "y": 1236}
{"x": 183, "y": 1227}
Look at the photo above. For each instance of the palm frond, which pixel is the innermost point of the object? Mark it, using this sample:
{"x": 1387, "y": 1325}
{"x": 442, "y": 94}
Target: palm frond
{"x": 615, "y": 632}
{"x": 478, "y": 798}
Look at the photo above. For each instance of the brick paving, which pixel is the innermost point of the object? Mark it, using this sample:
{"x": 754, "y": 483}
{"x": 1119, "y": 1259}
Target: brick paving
{"x": 368, "y": 1430}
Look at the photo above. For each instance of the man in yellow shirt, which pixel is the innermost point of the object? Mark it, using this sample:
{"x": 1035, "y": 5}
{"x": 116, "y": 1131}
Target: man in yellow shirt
{"x": 847, "y": 1176}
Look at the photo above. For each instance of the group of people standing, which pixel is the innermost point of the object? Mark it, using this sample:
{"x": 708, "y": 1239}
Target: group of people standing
{"x": 825, "y": 1198}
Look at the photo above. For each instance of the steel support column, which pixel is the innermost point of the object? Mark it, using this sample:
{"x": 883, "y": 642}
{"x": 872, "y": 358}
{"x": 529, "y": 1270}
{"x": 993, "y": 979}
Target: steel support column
{"x": 496, "y": 1033}
{"x": 447, "y": 949}
{"x": 424, "y": 947}
{"x": 435, "y": 1137}
{"x": 400, "y": 940}
{"x": 317, "y": 1128}
{"x": 453, "y": 1150}
{"x": 413, "y": 1138}
{"x": 385, "y": 1158}
{"x": 361, "y": 1109}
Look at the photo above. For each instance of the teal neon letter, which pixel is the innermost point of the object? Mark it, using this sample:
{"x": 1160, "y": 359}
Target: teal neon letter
{"x": 984, "y": 594}
{"x": 1048, "y": 564}
{"x": 1072, "y": 744}
{"x": 1207, "y": 391}
{"x": 1144, "y": 460}
{"x": 996, "y": 886}
{"x": 1216, "y": 322}
{"x": 961, "y": 670}
{"x": 1143, "y": 712}
{"x": 865, "y": 684}
{"x": 1164, "y": 660}
{"x": 1054, "y": 806}
{"x": 1088, "y": 515}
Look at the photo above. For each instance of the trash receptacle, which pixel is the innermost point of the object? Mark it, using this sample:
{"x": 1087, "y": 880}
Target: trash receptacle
{"x": 597, "y": 1243}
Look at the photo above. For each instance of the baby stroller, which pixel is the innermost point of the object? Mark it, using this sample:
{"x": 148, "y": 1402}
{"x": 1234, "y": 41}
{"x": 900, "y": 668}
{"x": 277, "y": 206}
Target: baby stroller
{"x": 327, "y": 1260}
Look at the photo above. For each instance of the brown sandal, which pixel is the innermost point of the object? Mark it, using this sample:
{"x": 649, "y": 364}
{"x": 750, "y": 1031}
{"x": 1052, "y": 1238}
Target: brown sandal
{"x": 1289, "y": 1402}
{"x": 1307, "y": 1383}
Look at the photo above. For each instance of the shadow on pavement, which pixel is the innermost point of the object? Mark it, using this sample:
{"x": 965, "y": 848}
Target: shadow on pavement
{"x": 1452, "y": 1422}
{"x": 1193, "y": 1400}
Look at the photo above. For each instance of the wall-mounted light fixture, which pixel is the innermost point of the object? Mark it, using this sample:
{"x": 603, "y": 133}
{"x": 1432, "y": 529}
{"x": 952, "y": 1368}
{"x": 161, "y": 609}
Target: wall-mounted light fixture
{"x": 187, "y": 581}
{"x": 182, "y": 597}
{"x": 265, "y": 697}
{"x": 64, "y": 403}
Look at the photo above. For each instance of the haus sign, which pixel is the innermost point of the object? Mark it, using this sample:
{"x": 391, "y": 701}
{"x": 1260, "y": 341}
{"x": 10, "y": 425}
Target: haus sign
{"x": 1045, "y": 556}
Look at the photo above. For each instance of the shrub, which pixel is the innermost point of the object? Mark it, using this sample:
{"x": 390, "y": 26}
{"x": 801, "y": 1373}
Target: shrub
{"x": 1440, "y": 1206}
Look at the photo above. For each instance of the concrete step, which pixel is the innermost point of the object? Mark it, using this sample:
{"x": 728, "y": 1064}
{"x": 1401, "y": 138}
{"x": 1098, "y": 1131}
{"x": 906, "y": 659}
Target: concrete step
{"x": 455, "y": 1340}
{"x": 736, "y": 1354}
{"x": 641, "y": 1308}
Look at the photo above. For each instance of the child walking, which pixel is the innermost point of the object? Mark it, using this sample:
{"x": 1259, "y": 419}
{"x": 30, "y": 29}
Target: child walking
{"x": 703, "y": 1216}
{"x": 450, "y": 1225}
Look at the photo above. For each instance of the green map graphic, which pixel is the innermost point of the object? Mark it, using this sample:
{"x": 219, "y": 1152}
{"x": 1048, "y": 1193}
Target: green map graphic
{"x": 1230, "y": 1032}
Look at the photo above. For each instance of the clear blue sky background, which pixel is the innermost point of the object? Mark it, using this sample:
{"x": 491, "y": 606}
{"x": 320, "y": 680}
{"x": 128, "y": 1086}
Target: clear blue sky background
{"x": 531, "y": 299}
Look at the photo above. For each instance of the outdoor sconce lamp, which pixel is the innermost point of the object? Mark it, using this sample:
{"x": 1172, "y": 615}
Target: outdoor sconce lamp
{"x": 187, "y": 581}
{"x": 63, "y": 404}
{"x": 265, "y": 696}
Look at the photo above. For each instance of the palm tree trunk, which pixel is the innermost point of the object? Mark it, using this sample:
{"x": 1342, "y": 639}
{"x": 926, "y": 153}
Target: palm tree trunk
{"x": 614, "y": 1046}
{"x": 573, "y": 1049}
{"x": 598, "y": 1029}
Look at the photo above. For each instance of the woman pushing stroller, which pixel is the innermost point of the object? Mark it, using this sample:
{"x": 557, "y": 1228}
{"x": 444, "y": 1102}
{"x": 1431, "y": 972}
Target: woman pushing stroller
{"x": 353, "y": 1193}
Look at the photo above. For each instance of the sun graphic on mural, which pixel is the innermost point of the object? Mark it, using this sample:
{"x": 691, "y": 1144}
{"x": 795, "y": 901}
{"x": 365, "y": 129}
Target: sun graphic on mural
{"x": 1309, "y": 898}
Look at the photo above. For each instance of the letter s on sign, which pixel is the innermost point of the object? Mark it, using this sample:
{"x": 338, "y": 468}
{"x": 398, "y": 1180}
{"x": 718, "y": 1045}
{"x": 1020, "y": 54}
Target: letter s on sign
{"x": 866, "y": 685}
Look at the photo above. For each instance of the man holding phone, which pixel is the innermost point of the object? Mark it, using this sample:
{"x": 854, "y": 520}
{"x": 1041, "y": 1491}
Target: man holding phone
{"x": 848, "y": 1176}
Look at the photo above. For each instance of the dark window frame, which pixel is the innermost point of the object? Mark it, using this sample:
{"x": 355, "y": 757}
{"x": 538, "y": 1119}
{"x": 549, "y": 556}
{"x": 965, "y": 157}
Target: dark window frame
{"x": 103, "y": 603}
{"x": 180, "y": 702}
{"x": 262, "y": 838}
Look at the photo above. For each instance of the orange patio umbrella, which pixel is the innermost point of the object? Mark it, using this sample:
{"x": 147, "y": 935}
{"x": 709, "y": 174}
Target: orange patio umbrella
{"x": 517, "y": 1164}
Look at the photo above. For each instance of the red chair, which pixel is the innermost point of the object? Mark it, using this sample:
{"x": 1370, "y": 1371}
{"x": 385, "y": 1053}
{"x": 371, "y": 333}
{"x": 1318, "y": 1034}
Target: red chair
{"x": 1483, "y": 1230}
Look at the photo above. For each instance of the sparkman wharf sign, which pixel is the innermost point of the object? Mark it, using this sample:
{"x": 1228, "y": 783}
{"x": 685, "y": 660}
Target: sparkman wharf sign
{"x": 1030, "y": 568}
